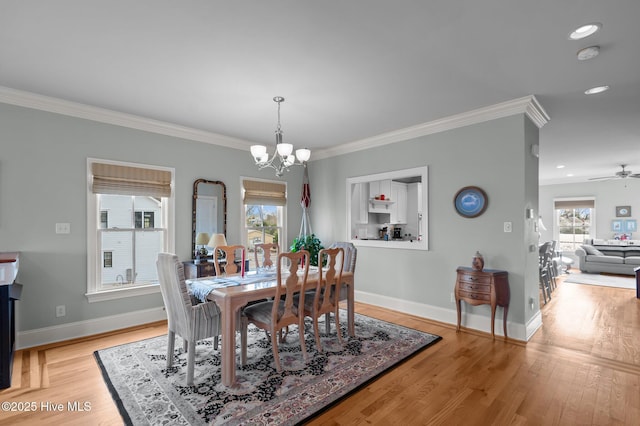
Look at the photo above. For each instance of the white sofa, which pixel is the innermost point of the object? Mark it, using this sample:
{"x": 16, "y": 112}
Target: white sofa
{"x": 613, "y": 259}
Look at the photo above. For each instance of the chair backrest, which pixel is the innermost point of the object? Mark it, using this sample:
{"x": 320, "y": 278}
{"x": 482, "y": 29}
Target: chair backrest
{"x": 289, "y": 284}
{"x": 350, "y": 254}
{"x": 232, "y": 254}
{"x": 266, "y": 249}
{"x": 175, "y": 293}
{"x": 544, "y": 254}
{"x": 330, "y": 277}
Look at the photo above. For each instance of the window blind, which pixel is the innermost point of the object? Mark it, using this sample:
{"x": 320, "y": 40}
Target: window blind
{"x": 574, "y": 204}
{"x": 126, "y": 180}
{"x": 264, "y": 193}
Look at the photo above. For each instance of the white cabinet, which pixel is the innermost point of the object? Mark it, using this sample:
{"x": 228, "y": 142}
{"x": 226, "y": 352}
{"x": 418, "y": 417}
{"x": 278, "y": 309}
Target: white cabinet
{"x": 377, "y": 189}
{"x": 399, "y": 207}
{"x": 360, "y": 203}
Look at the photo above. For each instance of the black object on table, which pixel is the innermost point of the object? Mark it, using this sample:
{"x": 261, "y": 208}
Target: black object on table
{"x": 8, "y": 295}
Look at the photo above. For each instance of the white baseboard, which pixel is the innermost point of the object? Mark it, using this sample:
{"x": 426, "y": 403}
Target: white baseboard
{"x": 72, "y": 330}
{"x": 58, "y": 333}
{"x": 534, "y": 324}
{"x": 450, "y": 316}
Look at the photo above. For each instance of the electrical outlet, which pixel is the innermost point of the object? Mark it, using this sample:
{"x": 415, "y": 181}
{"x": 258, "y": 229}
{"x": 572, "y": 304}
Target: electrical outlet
{"x": 508, "y": 227}
{"x": 61, "y": 311}
{"x": 63, "y": 228}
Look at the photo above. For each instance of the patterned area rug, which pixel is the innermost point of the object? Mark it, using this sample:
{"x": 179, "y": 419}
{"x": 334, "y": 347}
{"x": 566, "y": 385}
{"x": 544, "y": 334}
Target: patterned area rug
{"x": 148, "y": 394}
{"x": 602, "y": 280}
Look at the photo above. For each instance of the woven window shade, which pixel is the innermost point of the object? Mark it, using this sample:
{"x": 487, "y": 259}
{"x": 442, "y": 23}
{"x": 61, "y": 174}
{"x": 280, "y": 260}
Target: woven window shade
{"x": 125, "y": 180}
{"x": 574, "y": 204}
{"x": 265, "y": 193}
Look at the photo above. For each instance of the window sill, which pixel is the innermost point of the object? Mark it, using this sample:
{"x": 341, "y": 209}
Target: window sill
{"x": 101, "y": 296}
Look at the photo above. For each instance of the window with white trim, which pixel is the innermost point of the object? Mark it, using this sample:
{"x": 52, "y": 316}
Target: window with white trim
{"x": 575, "y": 222}
{"x": 130, "y": 220}
{"x": 263, "y": 218}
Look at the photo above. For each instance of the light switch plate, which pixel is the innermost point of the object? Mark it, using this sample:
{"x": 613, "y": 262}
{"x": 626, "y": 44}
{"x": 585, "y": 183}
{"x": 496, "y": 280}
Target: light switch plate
{"x": 508, "y": 227}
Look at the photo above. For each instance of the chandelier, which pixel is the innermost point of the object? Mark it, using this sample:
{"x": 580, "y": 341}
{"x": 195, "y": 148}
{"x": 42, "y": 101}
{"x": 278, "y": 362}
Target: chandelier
{"x": 283, "y": 158}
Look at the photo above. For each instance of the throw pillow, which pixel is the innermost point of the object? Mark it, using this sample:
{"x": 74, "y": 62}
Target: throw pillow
{"x": 592, "y": 250}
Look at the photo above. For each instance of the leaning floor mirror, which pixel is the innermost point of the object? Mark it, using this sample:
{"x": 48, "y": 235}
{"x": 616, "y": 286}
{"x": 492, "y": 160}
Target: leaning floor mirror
{"x": 209, "y": 215}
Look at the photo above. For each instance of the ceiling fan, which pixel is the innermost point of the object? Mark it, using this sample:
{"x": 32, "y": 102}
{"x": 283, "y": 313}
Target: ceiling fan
{"x": 623, "y": 174}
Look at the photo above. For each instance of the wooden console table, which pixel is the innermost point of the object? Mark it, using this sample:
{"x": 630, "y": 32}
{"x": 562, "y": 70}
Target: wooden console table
{"x": 486, "y": 287}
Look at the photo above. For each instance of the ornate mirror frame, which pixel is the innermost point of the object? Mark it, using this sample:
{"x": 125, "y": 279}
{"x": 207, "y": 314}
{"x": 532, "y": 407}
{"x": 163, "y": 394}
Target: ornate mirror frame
{"x": 216, "y": 196}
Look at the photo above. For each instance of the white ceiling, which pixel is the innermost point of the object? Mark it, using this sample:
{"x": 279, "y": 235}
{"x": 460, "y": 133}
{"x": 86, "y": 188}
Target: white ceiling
{"x": 349, "y": 70}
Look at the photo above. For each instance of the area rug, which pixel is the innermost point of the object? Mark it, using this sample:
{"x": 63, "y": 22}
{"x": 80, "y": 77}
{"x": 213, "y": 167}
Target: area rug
{"x": 147, "y": 394}
{"x": 602, "y": 280}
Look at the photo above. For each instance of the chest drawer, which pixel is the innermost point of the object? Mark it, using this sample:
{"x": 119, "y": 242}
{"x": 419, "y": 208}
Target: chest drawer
{"x": 192, "y": 270}
{"x": 474, "y": 287}
{"x": 474, "y": 278}
{"x": 485, "y": 297}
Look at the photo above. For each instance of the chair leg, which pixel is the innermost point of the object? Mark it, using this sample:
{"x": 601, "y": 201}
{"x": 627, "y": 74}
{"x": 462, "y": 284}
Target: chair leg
{"x": 216, "y": 342}
{"x": 327, "y": 324}
{"x": 276, "y": 355}
{"x": 244, "y": 323}
{"x": 542, "y": 286}
{"x": 191, "y": 357}
{"x": 337, "y": 320}
{"x": 303, "y": 343}
{"x": 171, "y": 339}
{"x": 316, "y": 333}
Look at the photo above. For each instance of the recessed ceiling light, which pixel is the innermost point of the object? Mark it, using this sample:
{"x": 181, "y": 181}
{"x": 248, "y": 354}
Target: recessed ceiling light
{"x": 560, "y": 166}
{"x": 585, "y": 31}
{"x": 569, "y": 174}
{"x": 595, "y": 90}
{"x": 588, "y": 53}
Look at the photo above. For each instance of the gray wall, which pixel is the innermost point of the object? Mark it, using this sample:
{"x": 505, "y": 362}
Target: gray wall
{"x": 492, "y": 155}
{"x": 42, "y": 181}
{"x": 43, "y": 160}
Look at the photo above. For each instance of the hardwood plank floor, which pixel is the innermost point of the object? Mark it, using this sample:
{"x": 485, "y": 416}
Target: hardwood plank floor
{"x": 581, "y": 368}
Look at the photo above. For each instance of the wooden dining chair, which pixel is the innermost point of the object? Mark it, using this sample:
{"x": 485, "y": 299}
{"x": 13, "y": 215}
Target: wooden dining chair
{"x": 282, "y": 311}
{"x": 263, "y": 254}
{"x": 190, "y": 321}
{"x": 350, "y": 258}
{"x": 324, "y": 299}
{"x": 231, "y": 262}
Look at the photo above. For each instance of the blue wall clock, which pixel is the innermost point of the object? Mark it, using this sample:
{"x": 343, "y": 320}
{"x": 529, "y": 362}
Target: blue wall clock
{"x": 470, "y": 201}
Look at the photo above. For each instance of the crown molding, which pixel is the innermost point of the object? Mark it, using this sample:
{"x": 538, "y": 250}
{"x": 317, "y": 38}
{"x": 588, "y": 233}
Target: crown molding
{"x": 527, "y": 105}
{"x": 103, "y": 115}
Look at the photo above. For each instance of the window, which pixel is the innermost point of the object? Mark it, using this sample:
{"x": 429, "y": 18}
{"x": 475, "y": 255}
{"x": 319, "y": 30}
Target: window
{"x": 130, "y": 220}
{"x": 107, "y": 259}
{"x": 574, "y": 222}
{"x": 145, "y": 219}
{"x": 263, "y": 215}
{"x": 104, "y": 219}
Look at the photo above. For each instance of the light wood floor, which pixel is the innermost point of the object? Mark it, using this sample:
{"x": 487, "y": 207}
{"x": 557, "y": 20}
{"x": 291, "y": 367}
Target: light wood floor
{"x": 581, "y": 368}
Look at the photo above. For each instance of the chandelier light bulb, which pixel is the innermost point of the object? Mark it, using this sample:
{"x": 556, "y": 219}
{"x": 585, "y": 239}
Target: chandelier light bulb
{"x": 258, "y": 150}
{"x": 284, "y": 149}
{"x": 289, "y": 160}
{"x": 303, "y": 154}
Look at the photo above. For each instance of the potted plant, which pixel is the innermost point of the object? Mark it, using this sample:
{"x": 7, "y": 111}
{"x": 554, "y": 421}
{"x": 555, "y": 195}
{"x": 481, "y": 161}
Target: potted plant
{"x": 310, "y": 243}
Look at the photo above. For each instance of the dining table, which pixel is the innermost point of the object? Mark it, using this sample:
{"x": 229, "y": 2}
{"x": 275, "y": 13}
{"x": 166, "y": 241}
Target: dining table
{"x": 232, "y": 293}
